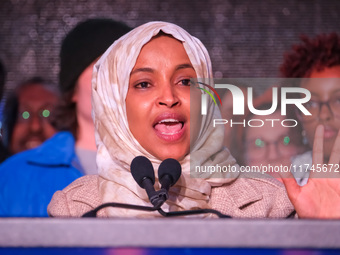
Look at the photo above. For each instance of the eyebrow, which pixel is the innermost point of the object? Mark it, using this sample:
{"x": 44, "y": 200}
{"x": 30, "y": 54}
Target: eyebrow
{"x": 150, "y": 70}
{"x": 143, "y": 69}
{"x": 184, "y": 66}
{"x": 333, "y": 92}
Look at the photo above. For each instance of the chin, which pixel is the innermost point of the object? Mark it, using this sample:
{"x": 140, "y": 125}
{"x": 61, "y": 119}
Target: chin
{"x": 179, "y": 155}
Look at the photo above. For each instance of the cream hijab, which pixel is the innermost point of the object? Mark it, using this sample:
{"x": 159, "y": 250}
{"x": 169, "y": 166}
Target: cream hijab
{"x": 116, "y": 145}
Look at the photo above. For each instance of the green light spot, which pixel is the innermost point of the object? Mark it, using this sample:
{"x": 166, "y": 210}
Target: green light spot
{"x": 286, "y": 140}
{"x": 259, "y": 142}
{"x": 25, "y": 115}
{"x": 46, "y": 113}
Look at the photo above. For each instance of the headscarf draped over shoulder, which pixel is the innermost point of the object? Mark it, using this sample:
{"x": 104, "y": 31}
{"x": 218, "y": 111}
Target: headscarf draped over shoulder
{"x": 117, "y": 147}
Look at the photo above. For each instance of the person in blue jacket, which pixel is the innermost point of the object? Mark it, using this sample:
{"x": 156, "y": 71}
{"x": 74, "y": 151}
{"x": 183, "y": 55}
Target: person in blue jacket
{"x": 29, "y": 179}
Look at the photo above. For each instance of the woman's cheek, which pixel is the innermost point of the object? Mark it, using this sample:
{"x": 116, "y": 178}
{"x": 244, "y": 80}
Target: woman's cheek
{"x": 195, "y": 115}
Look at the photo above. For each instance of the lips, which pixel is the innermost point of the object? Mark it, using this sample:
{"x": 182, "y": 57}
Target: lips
{"x": 169, "y": 126}
{"x": 33, "y": 142}
{"x": 329, "y": 132}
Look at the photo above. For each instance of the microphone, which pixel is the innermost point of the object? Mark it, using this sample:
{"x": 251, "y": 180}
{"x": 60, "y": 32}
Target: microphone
{"x": 143, "y": 173}
{"x": 169, "y": 172}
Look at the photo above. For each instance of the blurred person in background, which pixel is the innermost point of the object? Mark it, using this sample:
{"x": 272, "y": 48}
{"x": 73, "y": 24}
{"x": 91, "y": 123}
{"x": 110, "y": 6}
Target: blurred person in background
{"x": 80, "y": 50}
{"x": 26, "y": 116}
{"x": 29, "y": 179}
{"x": 316, "y": 58}
{"x": 271, "y": 144}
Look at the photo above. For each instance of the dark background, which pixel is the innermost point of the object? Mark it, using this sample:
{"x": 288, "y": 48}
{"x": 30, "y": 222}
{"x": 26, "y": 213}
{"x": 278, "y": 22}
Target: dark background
{"x": 244, "y": 38}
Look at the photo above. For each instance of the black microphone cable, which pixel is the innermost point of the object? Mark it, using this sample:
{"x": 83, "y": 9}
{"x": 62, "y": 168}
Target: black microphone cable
{"x": 93, "y": 213}
{"x": 192, "y": 212}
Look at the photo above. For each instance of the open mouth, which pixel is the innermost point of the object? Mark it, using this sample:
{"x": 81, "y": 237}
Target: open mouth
{"x": 169, "y": 126}
{"x": 33, "y": 143}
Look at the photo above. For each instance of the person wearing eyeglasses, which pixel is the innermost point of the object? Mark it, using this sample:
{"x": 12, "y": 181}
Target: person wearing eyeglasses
{"x": 317, "y": 61}
{"x": 269, "y": 143}
{"x": 27, "y": 114}
{"x": 29, "y": 179}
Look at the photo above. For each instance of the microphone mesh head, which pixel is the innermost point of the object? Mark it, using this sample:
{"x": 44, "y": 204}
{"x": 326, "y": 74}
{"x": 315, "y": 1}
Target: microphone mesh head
{"x": 170, "y": 167}
{"x": 142, "y": 168}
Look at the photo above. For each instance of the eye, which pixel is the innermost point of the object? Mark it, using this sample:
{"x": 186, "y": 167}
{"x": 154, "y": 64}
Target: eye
{"x": 142, "y": 85}
{"x": 259, "y": 143}
{"x": 312, "y": 104}
{"x": 185, "y": 82}
{"x": 336, "y": 100}
{"x": 286, "y": 140}
{"x": 25, "y": 115}
{"x": 45, "y": 113}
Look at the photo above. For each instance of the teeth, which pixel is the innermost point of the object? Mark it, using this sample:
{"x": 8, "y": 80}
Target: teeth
{"x": 169, "y": 120}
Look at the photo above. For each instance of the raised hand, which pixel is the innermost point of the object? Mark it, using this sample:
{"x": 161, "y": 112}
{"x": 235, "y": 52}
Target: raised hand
{"x": 320, "y": 197}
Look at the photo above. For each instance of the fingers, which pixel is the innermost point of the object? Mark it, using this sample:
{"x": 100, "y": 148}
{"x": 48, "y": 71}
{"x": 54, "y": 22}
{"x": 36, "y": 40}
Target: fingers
{"x": 318, "y": 145}
{"x": 335, "y": 155}
{"x": 334, "y": 159}
{"x": 318, "y": 155}
{"x": 317, "y": 148}
{"x": 293, "y": 189}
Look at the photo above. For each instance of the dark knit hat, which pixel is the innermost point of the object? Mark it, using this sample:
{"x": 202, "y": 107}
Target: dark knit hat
{"x": 83, "y": 44}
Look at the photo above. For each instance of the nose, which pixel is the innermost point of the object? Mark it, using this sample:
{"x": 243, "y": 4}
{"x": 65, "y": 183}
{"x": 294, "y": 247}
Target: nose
{"x": 325, "y": 112}
{"x": 273, "y": 152}
{"x": 168, "y": 96}
{"x": 35, "y": 124}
